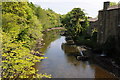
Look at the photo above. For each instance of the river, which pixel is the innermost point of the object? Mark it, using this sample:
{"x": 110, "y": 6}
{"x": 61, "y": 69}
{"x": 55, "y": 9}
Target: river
{"x": 62, "y": 65}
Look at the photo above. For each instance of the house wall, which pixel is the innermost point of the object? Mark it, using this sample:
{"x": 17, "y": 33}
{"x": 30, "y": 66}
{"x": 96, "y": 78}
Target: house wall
{"x": 108, "y": 24}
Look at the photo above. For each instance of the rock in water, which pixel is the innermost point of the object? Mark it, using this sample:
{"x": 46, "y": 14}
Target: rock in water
{"x": 83, "y": 58}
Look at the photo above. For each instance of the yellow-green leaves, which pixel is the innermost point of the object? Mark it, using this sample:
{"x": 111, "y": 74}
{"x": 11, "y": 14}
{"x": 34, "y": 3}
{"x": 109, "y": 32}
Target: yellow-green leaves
{"x": 20, "y": 29}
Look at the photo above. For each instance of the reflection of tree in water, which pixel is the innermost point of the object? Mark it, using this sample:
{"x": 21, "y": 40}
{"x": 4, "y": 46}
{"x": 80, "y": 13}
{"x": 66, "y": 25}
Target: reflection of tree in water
{"x": 48, "y": 37}
{"x": 72, "y": 60}
{"x": 69, "y": 49}
{"x": 70, "y": 52}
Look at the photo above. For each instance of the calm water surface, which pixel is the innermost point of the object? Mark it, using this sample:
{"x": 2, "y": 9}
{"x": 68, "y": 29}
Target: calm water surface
{"x": 61, "y": 65}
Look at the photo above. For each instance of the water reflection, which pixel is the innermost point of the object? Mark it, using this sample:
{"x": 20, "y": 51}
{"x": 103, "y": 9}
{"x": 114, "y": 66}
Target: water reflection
{"x": 48, "y": 37}
{"x": 61, "y": 65}
{"x": 72, "y": 49}
{"x": 69, "y": 49}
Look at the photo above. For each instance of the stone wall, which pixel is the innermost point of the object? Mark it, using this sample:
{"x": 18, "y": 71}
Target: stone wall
{"x": 108, "y": 23}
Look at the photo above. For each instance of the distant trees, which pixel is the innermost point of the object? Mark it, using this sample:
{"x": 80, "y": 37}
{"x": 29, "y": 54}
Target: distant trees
{"x": 113, "y": 3}
{"x": 75, "y": 22}
{"x": 48, "y": 18}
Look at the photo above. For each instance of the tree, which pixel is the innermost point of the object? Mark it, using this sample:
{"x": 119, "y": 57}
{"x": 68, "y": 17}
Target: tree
{"x": 75, "y": 22}
{"x": 113, "y": 3}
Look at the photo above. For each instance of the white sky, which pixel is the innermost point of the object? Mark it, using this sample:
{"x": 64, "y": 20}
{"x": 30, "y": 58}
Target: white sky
{"x": 91, "y": 7}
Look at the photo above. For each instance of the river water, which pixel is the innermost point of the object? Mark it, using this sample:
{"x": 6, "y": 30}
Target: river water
{"x": 62, "y": 65}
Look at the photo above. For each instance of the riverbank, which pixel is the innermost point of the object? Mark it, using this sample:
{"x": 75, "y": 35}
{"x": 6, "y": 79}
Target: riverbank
{"x": 108, "y": 64}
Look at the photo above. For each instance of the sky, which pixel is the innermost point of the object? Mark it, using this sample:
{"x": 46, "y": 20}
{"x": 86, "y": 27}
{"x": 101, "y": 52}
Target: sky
{"x": 90, "y": 7}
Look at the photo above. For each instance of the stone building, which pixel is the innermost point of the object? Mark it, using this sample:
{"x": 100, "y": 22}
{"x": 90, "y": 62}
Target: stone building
{"x": 108, "y": 23}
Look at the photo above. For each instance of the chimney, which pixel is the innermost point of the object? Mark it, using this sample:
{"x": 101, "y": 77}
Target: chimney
{"x": 106, "y": 5}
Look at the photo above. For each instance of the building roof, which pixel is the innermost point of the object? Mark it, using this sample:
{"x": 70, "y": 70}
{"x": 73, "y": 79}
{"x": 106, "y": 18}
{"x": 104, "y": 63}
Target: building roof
{"x": 113, "y": 7}
{"x": 92, "y": 19}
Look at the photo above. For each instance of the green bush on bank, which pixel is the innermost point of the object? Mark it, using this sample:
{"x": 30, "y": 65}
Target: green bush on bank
{"x": 90, "y": 41}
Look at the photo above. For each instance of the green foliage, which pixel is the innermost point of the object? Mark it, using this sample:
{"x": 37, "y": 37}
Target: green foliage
{"x": 75, "y": 22}
{"x": 113, "y": 3}
{"x": 20, "y": 29}
{"x": 48, "y": 18}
